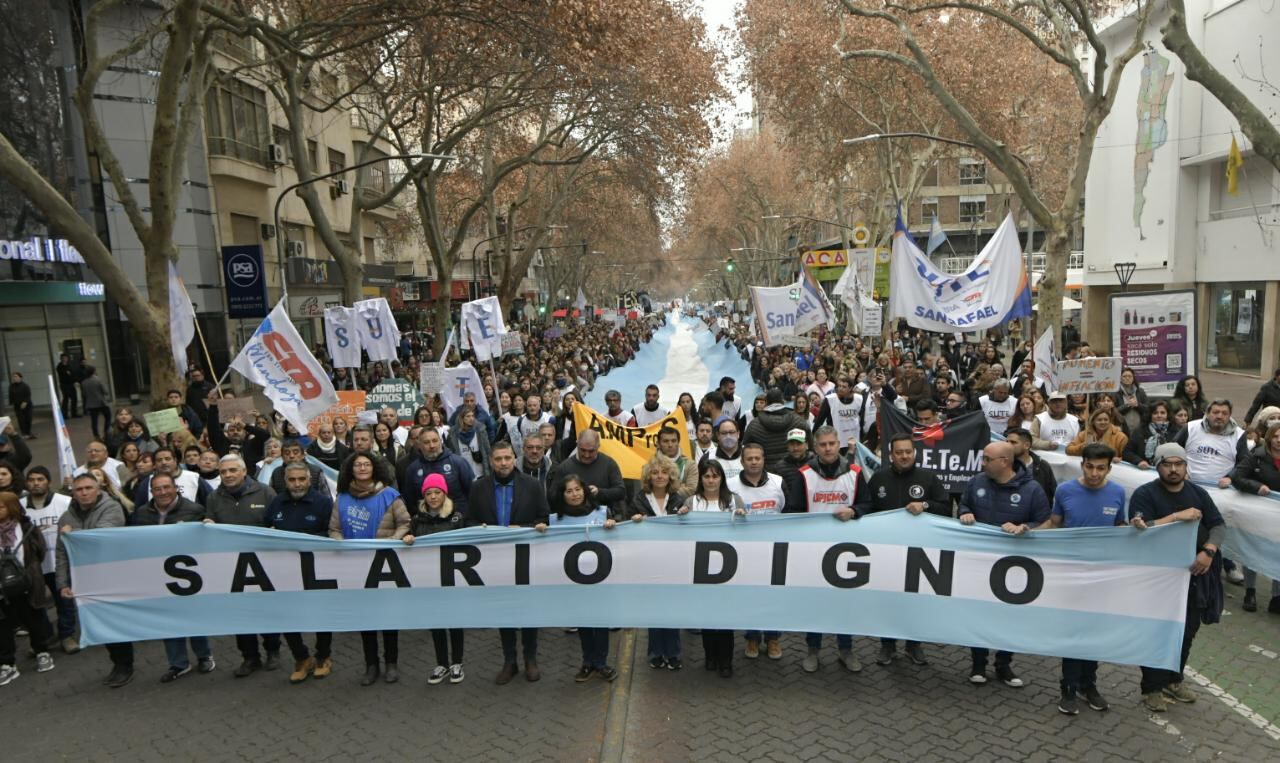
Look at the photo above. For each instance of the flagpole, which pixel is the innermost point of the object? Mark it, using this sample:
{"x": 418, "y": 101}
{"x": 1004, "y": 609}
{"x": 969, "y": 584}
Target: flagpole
{"x": 497, "y": 398}
{"x": 207, "y": 357}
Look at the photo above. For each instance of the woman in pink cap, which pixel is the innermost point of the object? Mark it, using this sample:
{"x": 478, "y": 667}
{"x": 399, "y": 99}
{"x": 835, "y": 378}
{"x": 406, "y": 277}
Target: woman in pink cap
{"x": 435, "y": 514}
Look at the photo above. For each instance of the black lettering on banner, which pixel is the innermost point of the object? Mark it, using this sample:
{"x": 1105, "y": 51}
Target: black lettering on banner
{"x": 310, "y": 582}
{"x": 778, "y": 576}
{"x": 451, "y": 565}
{"x": 249, "y": 572}
{"x": 192, "y": 579}
{"x": 702, "y": 551}
{"x": 572, "y": 565}
{"x": 1000, "y": 574}
{"x": 522, "y": 564}
{"x": 386, "y": 568}
{"x": 940, "y": 577}
{"x": 859, "y": 572}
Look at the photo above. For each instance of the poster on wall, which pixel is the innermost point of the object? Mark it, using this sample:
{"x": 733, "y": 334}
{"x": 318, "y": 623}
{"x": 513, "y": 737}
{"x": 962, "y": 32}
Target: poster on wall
{"x": 1154, "y": 334}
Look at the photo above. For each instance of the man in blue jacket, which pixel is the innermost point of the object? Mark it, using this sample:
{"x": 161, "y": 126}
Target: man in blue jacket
{"x": 432, "y": 458}
{"x": 1005, "y": 495}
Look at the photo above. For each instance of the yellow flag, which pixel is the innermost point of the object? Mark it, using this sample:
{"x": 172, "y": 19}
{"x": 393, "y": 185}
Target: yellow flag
{"x": 1234, "y": 162}
{"x": 631, "y": 447}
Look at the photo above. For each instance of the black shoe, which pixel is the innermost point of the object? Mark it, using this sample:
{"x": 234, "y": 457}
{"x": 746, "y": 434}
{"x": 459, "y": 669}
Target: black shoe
{"x": 1250, "y": 603}
{"x": 657, "y": 663}
{"x": 391, "y": 674}
{"x": 248, "y": 667}
{"x": 584, "y": 674}
{"x": 1095, "y": 700}
{"x": 272, "y": 662}
{"x": 112, "y": 676}
{"x": 916, "y": 653}
{"x": 726, "y": 671}
{"x": 370, "y": 675}
{"x": 124, "y": 676}
{"x": 674, "y": 663}
{"x": 1007, "y": 677}
{"x": 173, "y": 674}
{"x": 1067, "y": 704}
{"x": 607, "y": 673}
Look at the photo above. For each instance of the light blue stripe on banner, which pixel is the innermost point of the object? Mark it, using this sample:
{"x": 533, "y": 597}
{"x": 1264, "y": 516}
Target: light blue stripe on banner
{"x": 648, "y": 366}
{"x": 721, "y": 361}
{"x": 1263, "y": 554}
{"x": 1155, "y": 547}
{"x": 923, "y": 617}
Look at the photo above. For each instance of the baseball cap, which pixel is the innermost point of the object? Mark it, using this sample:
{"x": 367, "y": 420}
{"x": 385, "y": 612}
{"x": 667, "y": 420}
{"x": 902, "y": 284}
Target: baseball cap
{"x": 1170, "y": 450}
{"x": 1057, "y": 396}
{"x": 797, "y": 435}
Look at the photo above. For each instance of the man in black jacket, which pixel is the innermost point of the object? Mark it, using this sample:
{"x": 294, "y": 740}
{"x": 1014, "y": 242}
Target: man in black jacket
{"x": 770, "y": 426}
{"x": 507, "y": 498}
{"x": 20, "y": 400}
{"x": 905, "y": 486}
{"x": 599, "y": 473}
{"x": 1268, "y": 394}
{"x": 240, "y": 437}
{"x": 302, "y": 508}
{"x": 291, "y": 452}
{"x": 1041, "y": 472}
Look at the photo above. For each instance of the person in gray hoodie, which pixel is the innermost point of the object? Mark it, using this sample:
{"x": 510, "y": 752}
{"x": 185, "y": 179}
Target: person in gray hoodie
{"x": 92, "y": 509}
{"x": 242, "y": 500}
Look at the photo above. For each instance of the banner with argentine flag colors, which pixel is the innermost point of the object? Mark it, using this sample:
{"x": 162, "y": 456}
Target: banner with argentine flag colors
{"x": 1109, "y": 594}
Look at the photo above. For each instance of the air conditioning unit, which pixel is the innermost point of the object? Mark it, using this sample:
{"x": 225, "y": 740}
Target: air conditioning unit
{"x": 275, "y": 154}
{"x": 268, "y": 231}
{"x": 342, "y": 187}
{"x": 295, "y": 249}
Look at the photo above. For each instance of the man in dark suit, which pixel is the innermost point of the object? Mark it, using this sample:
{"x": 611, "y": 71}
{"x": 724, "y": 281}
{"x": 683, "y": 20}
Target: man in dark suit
{"x": 507, "y": 498}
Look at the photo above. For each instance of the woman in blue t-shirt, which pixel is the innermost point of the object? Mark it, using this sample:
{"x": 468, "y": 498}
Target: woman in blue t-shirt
{"x": 577, "y": 507}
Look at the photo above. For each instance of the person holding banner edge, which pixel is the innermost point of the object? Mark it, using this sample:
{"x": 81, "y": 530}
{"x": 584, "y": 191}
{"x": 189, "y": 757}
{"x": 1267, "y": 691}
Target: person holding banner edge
{"x": 714, "y": 495}
{"x": 436, "y": 514}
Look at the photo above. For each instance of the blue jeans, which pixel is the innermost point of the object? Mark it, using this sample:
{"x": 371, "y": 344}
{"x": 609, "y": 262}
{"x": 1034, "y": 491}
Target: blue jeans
{"x": 66, "y": 608}
{"x": 664, "y": 642}
{"x": 757, "y": 636}
{"x": 176, "y": 650}
{"x": 814, "y": 640}
{"x": 595, "y": 647}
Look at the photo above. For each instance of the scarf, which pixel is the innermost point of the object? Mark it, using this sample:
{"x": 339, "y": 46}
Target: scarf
{"x": 331, "y": 447}
{"x": 8, "y": 533}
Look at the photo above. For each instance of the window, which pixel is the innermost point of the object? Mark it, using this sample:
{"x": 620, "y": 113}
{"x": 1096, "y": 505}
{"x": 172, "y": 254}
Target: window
{"x": 928, "y": 208}
{"x": 236, "y": 121}
{"x": 337, "y": 161}
{"x": 313, "y": 155}
{"x": 284, "y": 138}
{"x": 973, "y": 172}
{"x": 973, "y": 209}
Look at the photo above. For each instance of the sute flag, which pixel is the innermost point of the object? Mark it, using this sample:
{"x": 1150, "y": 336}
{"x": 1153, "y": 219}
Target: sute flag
{"x": 340, "y": 334}
{"x": 483, "y": 328}
{"x": 66, "y": 453}
{"x": 182, "y": 319}
{"x": 276, "y": 359}
{"x": 377, "y": 329}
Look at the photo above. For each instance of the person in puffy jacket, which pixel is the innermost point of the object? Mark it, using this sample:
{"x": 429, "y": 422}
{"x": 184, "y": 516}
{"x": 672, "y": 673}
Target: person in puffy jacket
{"x": 770, "y": 426}
{"x": 432, "y": 458}
{"x": 1006, "y": 496}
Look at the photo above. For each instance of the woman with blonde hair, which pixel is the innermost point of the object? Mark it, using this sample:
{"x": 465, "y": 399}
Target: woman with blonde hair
{"x": 659, "y": 497}
{"x": 1101, "y": 428}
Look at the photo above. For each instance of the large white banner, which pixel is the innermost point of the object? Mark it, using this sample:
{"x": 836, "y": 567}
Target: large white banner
{"x": 182, "y": 319}
{"x": 276, "y": 359}
{"x": 379, "y": 334}
{"x": 992, "y": 291}
{"x": 1155, "y": 335}
{"x": 458, "y": 381}
{"x": 482, "y": 327}
{"x": 340, "y": 335}
{"x": 785, "y": 312}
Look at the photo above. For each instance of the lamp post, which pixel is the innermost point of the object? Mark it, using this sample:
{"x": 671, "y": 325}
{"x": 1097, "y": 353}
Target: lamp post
{"x": 284, "y": 287}
{"x": 1124, "y": 273}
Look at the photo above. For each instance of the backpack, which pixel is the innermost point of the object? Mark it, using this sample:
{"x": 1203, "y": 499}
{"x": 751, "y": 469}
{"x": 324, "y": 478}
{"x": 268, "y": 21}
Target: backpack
{"x": 15, "y": 583}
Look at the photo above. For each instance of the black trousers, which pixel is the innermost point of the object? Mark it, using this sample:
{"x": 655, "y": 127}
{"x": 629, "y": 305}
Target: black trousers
{"x": 102, "y": 412}
{"x": 717, "y": 647}
{"x": 390, "y": 646}
{"x": 68, "y": 402}
{"x": 121, "y": 655}
{"x": 248, "y": 645}
{"x": 1079, "y": 675}
{"x": 447, "y": 642}
{"x": 529, "y": 638}
{"x": 24, "y": 420}
{"x": 1155, "y": 679}
{"x": 1003, "y": 659}
{"x": 324, "y": 643}
{"x": 20, "y": 612}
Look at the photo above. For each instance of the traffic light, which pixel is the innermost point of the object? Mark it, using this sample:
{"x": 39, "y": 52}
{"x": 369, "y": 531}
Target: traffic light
{"x": 542, "y": 309}
{"x": 729, "y": 265}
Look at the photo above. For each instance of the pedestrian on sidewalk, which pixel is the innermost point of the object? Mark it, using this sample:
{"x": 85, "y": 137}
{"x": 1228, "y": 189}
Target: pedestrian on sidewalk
{"x": 20, "y": 401}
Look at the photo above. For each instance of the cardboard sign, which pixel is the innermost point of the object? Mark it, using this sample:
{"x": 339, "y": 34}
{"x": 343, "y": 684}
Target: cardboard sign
{"x": 431, "y": 378}
{"x": 512, "y": 344}
{"x": 349, "y": 405}
{"x": 230, "y": 407}
{"x": 395, "y": 393}
{"x": 164, "y": 421}
{"x": 1089, "y": 375}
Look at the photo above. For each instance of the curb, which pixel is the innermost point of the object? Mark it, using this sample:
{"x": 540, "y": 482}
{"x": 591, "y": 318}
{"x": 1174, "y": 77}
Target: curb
{"x": 615, "y": 720}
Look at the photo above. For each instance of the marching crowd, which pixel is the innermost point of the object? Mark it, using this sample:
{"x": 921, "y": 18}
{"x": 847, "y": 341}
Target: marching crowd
{"x": 792, "y": 449}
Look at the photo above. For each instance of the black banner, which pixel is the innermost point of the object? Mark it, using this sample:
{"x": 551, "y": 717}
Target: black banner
{"x": 951, "y": 449}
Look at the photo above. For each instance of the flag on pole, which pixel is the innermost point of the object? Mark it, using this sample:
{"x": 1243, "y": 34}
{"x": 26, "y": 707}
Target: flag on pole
{"x": 66, "y": 453}
{"x": 937, "y": 236}
{"x": 1235, "y": 160}
{"x": 276, "y": 359}
{"x": 341, "y": 336}
{"x": 1045, "y": 356}
{"x": 482, "y": 327}
{"x": 377, "y": 329}
{"x": 581, "y": 304}
{"x": 182, "y": 319}
{"x": 460, "y": 380}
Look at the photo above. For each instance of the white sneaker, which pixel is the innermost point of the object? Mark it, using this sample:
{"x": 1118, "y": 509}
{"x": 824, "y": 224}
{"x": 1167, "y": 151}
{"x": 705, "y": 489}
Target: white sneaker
{"x": 1236, "y": 576}
{"x": 455, "y": 674}
{"x": 7, "y": 674}
{"x": 437, "y": 675}
{"x": 44, "y": 663}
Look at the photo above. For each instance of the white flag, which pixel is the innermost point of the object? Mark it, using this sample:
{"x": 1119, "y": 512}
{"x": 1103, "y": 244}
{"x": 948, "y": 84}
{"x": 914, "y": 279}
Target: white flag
{"x": 66, "y": 453}
{"x": 275, "y": 359}
{"x": 785, "y": 312}
{"x": 581, "y": 305}
{"x": 182, "y": 319}
{"x": 1045, "y": 356}
{"x": 458, "y": 381}
{"x": 340, "y": 334}
{"x": 377, "y": 329}
{"x": 482, "y": 326}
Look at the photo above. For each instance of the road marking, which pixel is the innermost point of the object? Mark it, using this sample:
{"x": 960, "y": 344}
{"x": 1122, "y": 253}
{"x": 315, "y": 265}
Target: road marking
{"x": 615, "y": 719}
{"x": 1270, "y": 655}
{"x": 1269, "y": 728}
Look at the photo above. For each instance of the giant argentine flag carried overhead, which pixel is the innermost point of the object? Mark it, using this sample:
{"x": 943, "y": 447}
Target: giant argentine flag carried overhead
{"x": 992, "y": 291}
{"x": 276, "y": 359}
{"x": 785, "y": 312}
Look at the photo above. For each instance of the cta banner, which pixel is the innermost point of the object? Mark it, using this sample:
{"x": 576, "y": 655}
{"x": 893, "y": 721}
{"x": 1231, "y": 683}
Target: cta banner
{"x": 891, "y": 575}
{"x": 631, "y": 447}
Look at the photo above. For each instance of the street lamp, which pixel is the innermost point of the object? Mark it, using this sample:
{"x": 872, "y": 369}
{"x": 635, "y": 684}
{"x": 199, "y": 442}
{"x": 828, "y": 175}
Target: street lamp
{"x": 280, "y": 239}
{"x": 1124, "y": 272}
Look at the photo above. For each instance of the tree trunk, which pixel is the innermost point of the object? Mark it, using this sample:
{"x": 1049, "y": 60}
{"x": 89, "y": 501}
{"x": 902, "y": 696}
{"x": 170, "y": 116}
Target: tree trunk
{"x": 1057, "y": 248}
{"x": 440, "y": 312}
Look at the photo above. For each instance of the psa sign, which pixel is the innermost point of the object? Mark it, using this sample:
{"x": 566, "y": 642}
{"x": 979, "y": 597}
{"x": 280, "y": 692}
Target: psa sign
{"x": 246, "y": 281}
